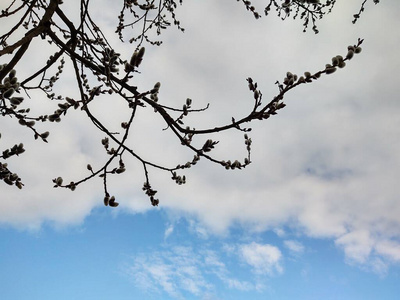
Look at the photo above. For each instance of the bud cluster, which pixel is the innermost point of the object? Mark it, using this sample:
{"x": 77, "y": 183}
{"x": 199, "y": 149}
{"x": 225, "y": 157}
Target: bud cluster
{"x": 71, "y": 186}
{"x": 337, "y": 62}
{"x": 237, "y": 164}
{"x": 147, "y": 6}
{"x": 256, "y": 93}
{"x": 353, "y": 50}
{"x": 187, "y": 139}
{"x": 251, "y": 8}
{"x": 9, "y": 86}
{"x": 187, "y": 165}
{"x": 110, "y": 60}
{"x": 15, "y": 150}
{"x": 187, "y": 106}
{"x": 154, "y": 92}
{"x": 5, "y": 174}
{"x": 120, "y": 169}
{"x": 185, "y": 111}
{"x": 229, "y": 165}
{"x": 58, "y": 181}
{"x": 308, "y": 10}
{"x": 105, "y": 143}
{"x": 135, "y": 60}
{"x": 209, "y": 145}
{"x": 178, "y": 178}
{"x": 8, "y": 177}
{"x": 151, "y": 14}
{"x": 290, "y": 78}
{"x": 151, "y": 193}
{"x": 53, "y": 79}
{"x": 110, "y": 201}
{"x": 247, "y": 142}
{"x": 55, "y": 117}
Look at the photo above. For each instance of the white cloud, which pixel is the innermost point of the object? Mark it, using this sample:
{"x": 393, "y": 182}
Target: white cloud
{"x": 263, "y": 258}
{"x": 198, "y": 229}
{"x": 378, "y": 266}
{"x": 168, "y": 231}
{"x": 389, "y": 249}
{"x": 200, "y": 272}
{"x": 370, "y": 253}
{"x": 240, "y": 285}
{"x": 279, "y": 232}
{"x": 217, "y": 267}
{"x": 173, "y": 272}
{"x": 357, "y": 245}
{"x": 294, "y": 246}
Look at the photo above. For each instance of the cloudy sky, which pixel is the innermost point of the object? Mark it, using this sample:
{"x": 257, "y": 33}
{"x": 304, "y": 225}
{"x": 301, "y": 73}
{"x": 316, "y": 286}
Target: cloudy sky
{"x": 315, "y": 216}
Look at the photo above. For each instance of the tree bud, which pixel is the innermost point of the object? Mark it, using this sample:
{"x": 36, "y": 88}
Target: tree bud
{"x": 350, "y": 54}
{"x": 7, "y": 94}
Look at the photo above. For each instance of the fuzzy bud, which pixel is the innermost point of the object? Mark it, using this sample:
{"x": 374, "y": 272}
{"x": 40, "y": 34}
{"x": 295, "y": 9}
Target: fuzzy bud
{"x": 7, "y": 94}
{"x": 350, "y": 54}
{"x": 330, "y": 70}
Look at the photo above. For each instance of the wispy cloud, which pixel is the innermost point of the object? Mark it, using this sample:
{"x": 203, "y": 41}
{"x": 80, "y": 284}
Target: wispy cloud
{"x": 168, "y": 231}
{"x": 201, "y": 272}
{"x": 370, "y": 253}
{"x": 294, "y": 246}
{"x": 173, "y": 272}
{"x": 218, "y": 268}
{"x": 198, "y": 229}
{"x": 263, "y": 258}
{"x": 389, "y": 249}
{"x": 357, "y": 245}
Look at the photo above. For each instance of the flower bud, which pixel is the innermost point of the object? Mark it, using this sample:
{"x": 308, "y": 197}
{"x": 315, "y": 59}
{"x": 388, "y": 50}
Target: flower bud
{"x": 16, "y": 100}
{"x": 330, "y": 70}
{"x": 59, "y": 181}
{"x": 106, "y": 200}
{"x": 7, "y": 94}
{"x": 12, "y": 73}
{"x": 350, "y": 54}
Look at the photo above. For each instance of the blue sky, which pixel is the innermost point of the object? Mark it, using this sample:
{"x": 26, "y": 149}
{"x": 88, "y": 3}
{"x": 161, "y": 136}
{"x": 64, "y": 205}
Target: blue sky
{"x": 133, "y": 257}
{"x": 315, "y": 216}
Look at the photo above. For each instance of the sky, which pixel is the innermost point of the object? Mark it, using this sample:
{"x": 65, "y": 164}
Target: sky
{"x": 315, "y": 216}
